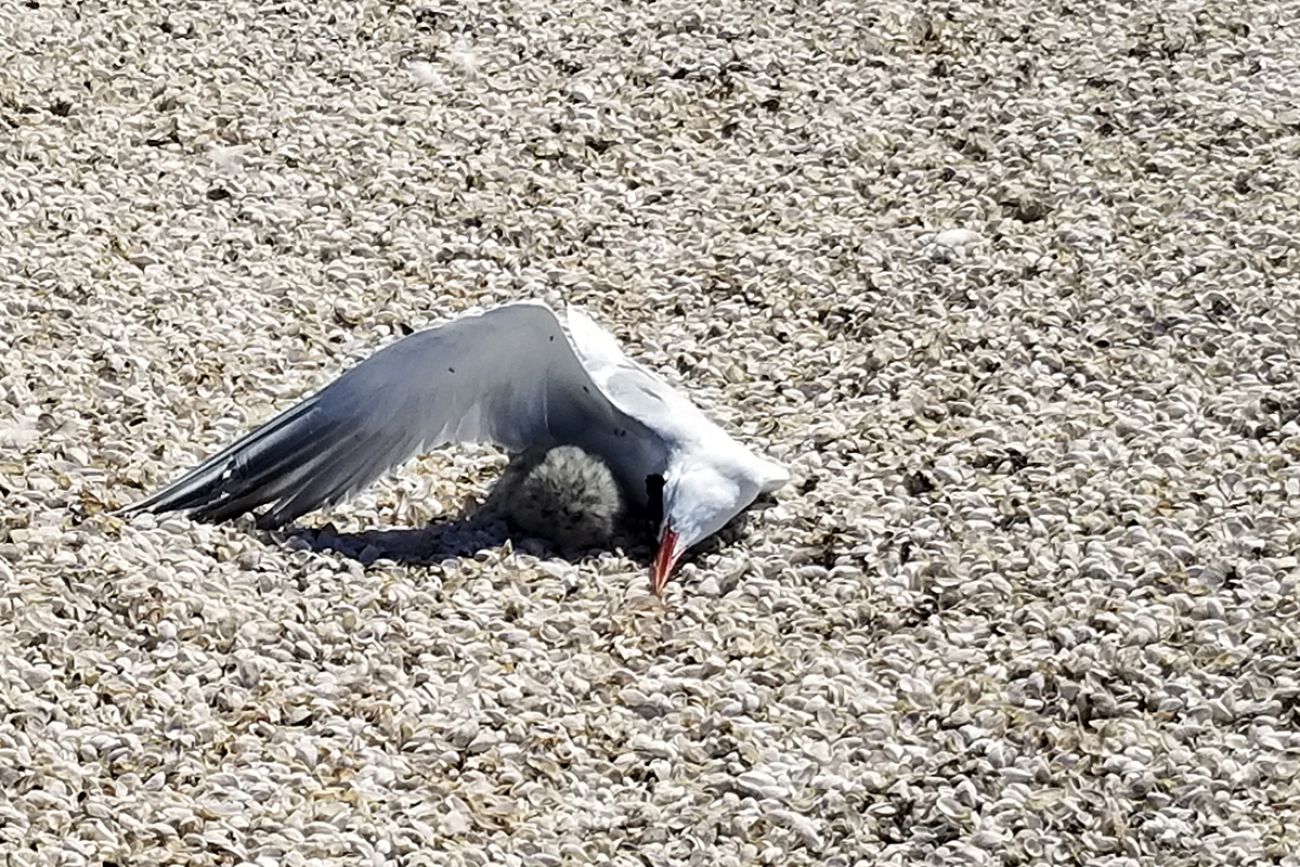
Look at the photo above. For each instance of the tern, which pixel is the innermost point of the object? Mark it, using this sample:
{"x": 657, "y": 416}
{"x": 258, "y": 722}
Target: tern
{"x": 521, "y": 376}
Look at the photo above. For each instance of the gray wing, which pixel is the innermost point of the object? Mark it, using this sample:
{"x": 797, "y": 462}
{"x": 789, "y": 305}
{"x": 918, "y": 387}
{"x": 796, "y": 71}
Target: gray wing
{"x": 508, "y": 376}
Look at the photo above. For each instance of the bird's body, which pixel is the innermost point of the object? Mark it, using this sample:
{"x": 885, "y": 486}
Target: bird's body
{"x": 518, "y": 375}
{"x": 563, "y": 495}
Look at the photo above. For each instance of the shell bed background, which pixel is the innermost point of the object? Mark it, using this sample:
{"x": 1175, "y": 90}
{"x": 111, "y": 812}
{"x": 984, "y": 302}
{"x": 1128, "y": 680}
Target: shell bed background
{"x": 1012, "y": 287}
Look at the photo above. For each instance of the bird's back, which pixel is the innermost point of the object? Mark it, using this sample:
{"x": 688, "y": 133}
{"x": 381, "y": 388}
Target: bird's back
{"x": 634, "y": 390}
{"x": 677, "y": 423}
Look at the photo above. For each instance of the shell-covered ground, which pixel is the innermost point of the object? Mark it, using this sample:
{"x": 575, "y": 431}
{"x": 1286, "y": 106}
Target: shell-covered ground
{"x": 1011, "y": 287}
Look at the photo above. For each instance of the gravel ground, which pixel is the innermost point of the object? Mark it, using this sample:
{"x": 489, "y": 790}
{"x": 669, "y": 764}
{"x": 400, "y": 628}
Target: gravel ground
{"x": 1011, "y": 287}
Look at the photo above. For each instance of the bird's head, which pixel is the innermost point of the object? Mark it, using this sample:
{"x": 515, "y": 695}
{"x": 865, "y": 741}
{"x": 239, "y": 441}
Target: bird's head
{"x": 699, "y": 498}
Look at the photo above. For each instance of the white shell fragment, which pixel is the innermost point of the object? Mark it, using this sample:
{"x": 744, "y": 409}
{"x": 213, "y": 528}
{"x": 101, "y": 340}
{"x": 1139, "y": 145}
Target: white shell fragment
{"x": 946, "y": 245}
{"x": 956, "y": 238}
{"x": 1010, "y": 287}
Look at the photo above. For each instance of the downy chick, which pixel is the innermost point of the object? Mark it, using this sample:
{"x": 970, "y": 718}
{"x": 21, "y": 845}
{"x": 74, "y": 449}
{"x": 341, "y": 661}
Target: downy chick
{"x": 563, "y": 495}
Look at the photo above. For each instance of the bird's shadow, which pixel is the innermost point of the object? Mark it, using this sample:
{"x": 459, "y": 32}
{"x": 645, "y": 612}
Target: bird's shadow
{"x": 486, "y": 529}
{"x": 463, "y": 536}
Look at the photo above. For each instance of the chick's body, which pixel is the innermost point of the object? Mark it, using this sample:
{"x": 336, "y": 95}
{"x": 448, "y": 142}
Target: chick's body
{"x": 564, "y": 495}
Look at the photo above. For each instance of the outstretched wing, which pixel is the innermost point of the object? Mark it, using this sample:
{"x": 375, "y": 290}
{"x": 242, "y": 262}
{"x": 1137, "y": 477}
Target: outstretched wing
{"x": 507, "y": 376}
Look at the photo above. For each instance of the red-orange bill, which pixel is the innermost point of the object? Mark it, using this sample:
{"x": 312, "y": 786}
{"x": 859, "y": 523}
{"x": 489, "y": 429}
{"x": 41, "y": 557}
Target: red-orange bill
{"x": 665, "y": 561}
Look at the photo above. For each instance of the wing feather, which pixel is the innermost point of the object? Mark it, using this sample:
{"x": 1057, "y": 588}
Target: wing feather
{"x": 636, "y": 391}
{"x": 508, "y": 376}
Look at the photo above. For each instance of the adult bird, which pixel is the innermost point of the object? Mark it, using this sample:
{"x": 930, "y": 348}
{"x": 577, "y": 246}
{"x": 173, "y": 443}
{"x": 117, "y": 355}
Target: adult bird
{"x": 521, "y": 376}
